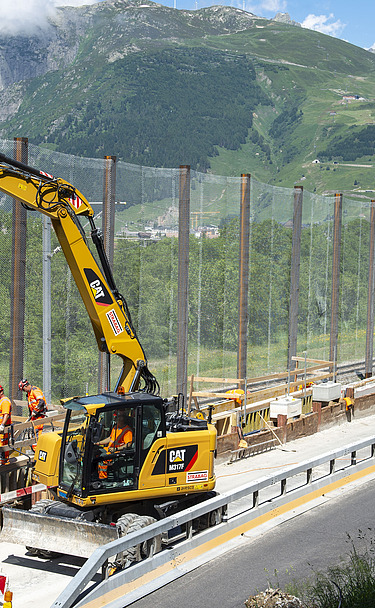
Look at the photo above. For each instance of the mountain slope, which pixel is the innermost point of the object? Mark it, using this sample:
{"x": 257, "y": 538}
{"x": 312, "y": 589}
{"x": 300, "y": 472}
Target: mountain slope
{"x": 218, "y": 88}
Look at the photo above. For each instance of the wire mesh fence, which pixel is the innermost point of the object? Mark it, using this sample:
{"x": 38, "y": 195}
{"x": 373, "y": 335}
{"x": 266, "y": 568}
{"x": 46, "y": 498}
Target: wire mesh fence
{"x": 146, "y": 270}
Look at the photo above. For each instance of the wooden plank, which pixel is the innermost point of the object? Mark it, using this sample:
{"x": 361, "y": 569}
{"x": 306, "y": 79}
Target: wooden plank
{"x": 26, "y": 425}
{"x": 321, "y": 361}
{"x": 277, "y": 391}
{"x": 222, "y": 380}
{"x": 271, "y": 392}
{"x": 280, "y": 376}
{"x": 218, "y": 395}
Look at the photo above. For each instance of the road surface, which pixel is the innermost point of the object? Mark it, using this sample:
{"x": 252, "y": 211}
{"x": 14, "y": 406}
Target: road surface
{"x": 315, "y": 540}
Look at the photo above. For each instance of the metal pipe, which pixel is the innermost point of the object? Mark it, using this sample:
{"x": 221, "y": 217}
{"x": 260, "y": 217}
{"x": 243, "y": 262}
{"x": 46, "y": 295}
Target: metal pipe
{"x": 183, "y": 279}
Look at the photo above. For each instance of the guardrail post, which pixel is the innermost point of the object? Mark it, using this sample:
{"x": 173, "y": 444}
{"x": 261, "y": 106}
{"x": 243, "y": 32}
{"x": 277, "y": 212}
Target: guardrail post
{"x": 189, "y": 529}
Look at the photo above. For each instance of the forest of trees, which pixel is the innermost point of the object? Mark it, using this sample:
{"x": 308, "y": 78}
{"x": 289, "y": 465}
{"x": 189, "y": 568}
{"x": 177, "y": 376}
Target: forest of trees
{"x": 165, "y": 98}
{"x": 357, "y": 143}
{"x": 147, "y": 276}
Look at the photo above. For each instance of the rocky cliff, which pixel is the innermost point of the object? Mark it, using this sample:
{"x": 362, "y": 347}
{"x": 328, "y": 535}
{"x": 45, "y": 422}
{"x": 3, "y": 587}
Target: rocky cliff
{"x": 112, "y": 28}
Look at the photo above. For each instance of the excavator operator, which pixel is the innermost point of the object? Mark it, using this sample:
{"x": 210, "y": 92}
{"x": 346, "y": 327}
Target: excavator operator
{"x": 121, "y": 437}
{"x": 36, "y": 402}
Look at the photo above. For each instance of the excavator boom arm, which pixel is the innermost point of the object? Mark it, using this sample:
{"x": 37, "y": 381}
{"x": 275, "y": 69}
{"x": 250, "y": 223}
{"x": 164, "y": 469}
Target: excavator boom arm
{"x": 64, "y": 204}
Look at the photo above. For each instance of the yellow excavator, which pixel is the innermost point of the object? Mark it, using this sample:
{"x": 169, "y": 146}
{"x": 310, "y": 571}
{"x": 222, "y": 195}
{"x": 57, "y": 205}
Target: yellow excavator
{"x": 124, "y": 457}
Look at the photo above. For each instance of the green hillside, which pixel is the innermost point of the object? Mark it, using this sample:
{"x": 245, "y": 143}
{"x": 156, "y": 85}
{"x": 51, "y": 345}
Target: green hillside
{"x": 217, "y": 89}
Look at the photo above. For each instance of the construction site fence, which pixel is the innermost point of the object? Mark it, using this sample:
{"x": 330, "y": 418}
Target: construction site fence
{"x": 279, "y": 321}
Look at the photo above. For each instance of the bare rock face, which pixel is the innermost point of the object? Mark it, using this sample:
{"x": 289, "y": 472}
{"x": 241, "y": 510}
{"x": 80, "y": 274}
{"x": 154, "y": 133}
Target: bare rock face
{"x": 30, "y": 48}
{"x": 285, "y": 18}
{"x": 273, "y": 598}
{"x": 66, "y": 38}
{"x": 51, "y": 39}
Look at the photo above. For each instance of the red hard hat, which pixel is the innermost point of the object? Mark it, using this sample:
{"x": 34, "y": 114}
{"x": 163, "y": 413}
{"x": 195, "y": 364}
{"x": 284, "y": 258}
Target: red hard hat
{"x": 22, "y": 384}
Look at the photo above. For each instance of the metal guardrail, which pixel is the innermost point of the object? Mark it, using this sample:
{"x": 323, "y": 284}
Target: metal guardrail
{"x": 244, "y": 508}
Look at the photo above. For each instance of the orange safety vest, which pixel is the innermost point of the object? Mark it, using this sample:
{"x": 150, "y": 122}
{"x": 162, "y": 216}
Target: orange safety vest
{"x": 33, "y": 398}
{"x": 118, "y": 437}
{"x": 5, "y": 408}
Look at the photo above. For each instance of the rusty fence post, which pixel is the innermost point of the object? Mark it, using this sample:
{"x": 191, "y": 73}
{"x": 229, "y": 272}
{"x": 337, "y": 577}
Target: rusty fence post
{"x": 18, "y": 284}
{"x": 336, "y": 255}
{"x": 243, "y": 297}
{"x": 294, "y": 276}
{"x": 108, "y": 229}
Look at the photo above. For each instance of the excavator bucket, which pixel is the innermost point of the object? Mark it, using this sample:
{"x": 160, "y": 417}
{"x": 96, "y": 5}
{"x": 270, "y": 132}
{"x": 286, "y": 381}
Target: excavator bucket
{"x": 51, "y": 533}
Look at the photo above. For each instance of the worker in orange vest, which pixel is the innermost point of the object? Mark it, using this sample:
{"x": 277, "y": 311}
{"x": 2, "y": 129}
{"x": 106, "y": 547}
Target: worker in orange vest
{"x": 121, "y": 437}
{"x": 5, "y": 422}
{"x": 36, "y": 402}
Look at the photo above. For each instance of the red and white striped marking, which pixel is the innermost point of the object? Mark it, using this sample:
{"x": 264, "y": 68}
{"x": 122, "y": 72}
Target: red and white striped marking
{"x": 39, "y": 487}
{"x": 46, "y": 174}
{"x": 75, "y": 201}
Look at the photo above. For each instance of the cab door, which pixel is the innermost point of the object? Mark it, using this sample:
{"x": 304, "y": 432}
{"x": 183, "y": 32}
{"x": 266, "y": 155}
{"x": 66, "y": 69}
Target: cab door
{"x": 152, "y": 448}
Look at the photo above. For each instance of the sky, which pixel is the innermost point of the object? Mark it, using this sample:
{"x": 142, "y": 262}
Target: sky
{"x": 349, "y": 20}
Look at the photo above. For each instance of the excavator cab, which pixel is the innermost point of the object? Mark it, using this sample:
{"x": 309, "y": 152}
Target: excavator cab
{"x": 121, "y": 448}
{"x": 105, "y": 441}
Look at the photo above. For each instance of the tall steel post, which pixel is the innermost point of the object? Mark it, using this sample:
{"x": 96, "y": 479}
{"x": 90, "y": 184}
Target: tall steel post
{"x": 108, "y": 228}
{"x": 47, "y": 359}
{"x": 370, "y": 298}
{"x": 183, "y": 279}
{"x": 243, "y": 297}
{"x": 335, "y": 279}
{"x": 18, "y": 285}
{"x": 294, "y": 276}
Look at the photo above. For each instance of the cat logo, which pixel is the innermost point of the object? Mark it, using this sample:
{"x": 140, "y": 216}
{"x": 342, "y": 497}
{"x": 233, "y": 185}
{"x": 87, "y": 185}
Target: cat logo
{"x": 97, "y": 289}
{"x": 42, "y": 455}
{"x": 176, "y": 460}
